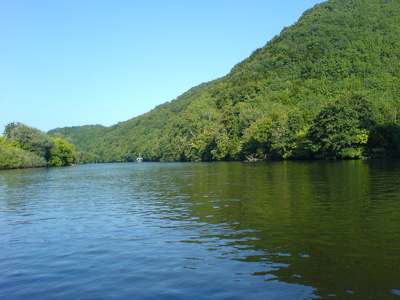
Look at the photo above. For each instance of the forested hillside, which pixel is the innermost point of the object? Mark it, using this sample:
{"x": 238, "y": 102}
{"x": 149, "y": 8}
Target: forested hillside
{"x": 326, "y": 87}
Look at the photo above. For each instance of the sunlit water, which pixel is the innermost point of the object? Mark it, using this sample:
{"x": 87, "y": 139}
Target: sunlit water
{"x": 277, "y": 230}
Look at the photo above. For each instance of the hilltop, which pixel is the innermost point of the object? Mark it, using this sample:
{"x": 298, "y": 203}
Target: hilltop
{"x": 326, "y": 87}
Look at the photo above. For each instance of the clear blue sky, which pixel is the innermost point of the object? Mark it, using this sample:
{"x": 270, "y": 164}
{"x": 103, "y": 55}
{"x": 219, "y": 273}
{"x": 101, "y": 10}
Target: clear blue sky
{"x": 71, "y": 63}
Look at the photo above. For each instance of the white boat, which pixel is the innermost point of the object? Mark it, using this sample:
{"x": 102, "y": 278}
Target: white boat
{"x": 139, "y": 159}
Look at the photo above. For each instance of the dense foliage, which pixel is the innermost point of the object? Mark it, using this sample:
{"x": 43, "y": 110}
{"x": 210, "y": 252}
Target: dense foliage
{"x": 342, "y": 128}
{"x": 27, "y": 147}
{"x": 326, "y": 87}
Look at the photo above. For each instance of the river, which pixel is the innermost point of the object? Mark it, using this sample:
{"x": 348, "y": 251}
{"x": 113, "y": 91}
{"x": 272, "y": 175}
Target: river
{"x": 226, "y": 230}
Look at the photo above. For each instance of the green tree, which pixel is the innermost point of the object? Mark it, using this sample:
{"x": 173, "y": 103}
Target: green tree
{"x": 16, "y": 158}
{"x": 10, "y": 127}
{"x": 342, "y": 128}
{"x": 13, "y": 157}
{"x": 29, "y": 138}
{"x": 385, "y": 141}
{"x": 62, "y": 153}
{"x": 257, "y": 139}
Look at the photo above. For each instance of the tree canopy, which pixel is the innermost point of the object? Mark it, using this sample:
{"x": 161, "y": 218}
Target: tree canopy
{"x": 27, "y": 147}
{"x": 342, "y": 128}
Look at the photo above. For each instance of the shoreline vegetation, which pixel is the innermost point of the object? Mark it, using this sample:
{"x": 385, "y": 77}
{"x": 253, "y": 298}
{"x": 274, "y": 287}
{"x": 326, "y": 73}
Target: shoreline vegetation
{"x": 22, "y": 147}
{"x": 326, "y": 87}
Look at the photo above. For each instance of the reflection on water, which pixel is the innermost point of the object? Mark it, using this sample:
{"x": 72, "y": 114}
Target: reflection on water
{"x": 278, "y": 230}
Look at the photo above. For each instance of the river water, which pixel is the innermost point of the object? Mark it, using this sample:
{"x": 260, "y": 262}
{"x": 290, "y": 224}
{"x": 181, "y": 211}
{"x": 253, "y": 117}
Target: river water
{"x": 228, "y": 230}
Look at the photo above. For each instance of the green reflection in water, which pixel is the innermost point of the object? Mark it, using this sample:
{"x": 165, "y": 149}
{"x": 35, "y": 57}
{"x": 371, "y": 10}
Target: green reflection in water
{"x": 334, "y": 226}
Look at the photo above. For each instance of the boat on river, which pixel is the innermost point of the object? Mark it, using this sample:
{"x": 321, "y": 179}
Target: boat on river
{"x": 139, "y": 159}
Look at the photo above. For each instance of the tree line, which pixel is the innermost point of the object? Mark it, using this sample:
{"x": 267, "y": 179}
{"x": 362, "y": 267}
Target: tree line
{"x": 22, "y": 146}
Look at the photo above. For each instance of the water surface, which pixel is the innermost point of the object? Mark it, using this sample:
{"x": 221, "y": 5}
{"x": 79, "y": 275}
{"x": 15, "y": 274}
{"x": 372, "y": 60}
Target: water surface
{"x": 277, "y": 230}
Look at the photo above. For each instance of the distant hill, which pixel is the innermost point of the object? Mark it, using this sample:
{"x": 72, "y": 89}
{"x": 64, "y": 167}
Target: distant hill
{"x": 326, "y": 87}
